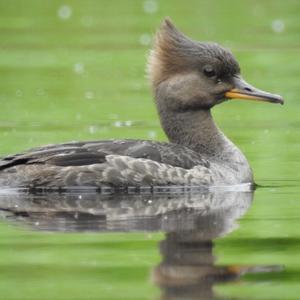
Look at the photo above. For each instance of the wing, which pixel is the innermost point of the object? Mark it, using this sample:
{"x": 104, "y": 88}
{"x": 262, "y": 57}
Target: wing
{"x": 95, "y": 152}
{"x": 101, "y": 163}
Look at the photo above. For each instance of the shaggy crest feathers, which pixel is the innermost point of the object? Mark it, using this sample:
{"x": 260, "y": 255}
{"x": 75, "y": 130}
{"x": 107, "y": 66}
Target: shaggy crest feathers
{"x": 173, "y": 52}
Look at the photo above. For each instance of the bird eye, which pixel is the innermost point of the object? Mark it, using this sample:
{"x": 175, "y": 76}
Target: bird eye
{"x": 209, "y": 71}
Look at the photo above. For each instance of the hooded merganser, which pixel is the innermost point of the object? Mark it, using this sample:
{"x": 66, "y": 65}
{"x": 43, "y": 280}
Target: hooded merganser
{"x": 188, "y": 79}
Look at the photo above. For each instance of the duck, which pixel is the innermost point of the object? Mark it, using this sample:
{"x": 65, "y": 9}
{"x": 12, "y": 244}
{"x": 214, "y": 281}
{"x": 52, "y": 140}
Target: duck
{"x": 188, "y": 78}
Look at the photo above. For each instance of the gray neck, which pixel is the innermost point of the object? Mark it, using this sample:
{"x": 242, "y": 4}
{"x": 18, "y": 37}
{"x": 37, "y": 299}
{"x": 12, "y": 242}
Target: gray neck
{"x": 198, "y": 131}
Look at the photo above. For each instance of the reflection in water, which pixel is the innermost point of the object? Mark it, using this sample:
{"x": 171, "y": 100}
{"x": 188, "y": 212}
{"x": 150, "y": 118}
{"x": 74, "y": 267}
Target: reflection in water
{"x": 188, "y": 270}
{"x": 207, "y": 212}
{"x": 190, "y": 220}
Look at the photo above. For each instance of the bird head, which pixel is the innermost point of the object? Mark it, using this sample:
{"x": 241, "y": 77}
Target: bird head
{"x": 189, "y": 74}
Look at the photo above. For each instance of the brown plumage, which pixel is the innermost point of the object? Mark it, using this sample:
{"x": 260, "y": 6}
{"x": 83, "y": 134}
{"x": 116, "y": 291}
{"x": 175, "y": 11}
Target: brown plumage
{"x": 174, "y": 53}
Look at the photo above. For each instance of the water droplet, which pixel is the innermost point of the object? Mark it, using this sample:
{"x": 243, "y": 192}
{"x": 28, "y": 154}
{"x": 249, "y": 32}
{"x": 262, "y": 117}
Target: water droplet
{"x": 128, "y": 123}
{"x": 278, "y": 26}
{"x": 150, "y": 6}
{"x": 78, "y": 68}
{"x": 152, "y": 134}
{"x": 118, "y": 124}
{"x": 92, "y": 129}
{"x": 145, "y": 39}
{"x": 89, "y": 95}
{"x": 64, "y": 12}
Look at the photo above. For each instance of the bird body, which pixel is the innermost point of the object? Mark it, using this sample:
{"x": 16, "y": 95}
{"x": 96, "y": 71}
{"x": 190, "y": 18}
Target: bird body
{"x": 188, "y": 79}
{"x": 116, "y": 162}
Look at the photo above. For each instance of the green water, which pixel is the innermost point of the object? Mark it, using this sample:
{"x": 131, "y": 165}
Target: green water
{"x": 75, "y": 70}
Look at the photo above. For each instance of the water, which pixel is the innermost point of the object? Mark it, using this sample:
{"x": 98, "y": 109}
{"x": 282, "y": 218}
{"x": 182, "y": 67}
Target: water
{"x": 63, "y": 77}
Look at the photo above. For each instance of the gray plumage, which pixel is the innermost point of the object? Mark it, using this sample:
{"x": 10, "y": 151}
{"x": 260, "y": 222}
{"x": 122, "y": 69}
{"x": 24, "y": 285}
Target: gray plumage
{"x": 116, "y": 163}
{"x": 188, "y": 79}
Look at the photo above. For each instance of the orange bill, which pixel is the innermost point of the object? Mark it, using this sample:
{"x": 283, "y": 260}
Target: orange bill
{"x": 243, "y": 90}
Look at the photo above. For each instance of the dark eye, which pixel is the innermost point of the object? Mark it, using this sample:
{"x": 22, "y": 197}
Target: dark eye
{"x": 209, "y": 71}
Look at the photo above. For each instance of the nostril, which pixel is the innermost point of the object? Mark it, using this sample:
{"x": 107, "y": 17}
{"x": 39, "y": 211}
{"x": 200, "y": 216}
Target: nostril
{"x": 248, "y": 89}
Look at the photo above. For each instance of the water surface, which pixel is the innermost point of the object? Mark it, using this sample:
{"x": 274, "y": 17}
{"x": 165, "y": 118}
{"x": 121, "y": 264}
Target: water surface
{"x": 75, "y": 71}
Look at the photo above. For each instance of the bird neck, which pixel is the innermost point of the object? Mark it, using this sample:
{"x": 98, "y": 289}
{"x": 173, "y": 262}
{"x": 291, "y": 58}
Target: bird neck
{"x": 187, "y": 123}
{"x": 197, "y": 131}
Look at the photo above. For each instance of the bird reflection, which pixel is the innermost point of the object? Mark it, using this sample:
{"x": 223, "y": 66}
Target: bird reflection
{"x": 166, "y": 210}
{"x": 190, "y": 220}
